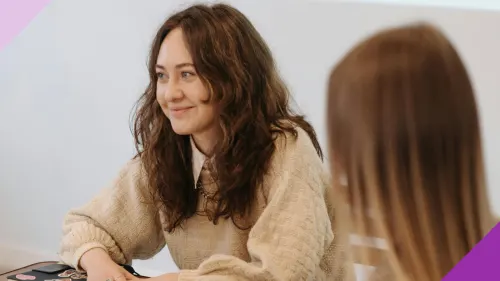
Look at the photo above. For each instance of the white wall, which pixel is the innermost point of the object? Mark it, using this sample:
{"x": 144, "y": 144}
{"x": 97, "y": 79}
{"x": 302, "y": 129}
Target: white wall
{"x": 463, "y": 4}
{"x": 69, "y": 81}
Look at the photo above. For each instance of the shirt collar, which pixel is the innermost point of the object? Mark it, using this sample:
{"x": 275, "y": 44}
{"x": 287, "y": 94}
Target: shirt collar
{"x": 198, "y": 159}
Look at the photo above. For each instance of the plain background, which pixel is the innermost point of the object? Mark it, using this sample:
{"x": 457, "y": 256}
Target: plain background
{"x": 69, "y": 81}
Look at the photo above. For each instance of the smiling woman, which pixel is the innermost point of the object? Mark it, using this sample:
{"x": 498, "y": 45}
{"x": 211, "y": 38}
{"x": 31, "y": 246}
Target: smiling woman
{"x": 182, "y": 95}
{"x": 225, "y": 174}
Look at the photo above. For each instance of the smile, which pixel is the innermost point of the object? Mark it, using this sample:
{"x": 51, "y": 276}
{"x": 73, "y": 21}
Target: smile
{"x": 177, "y": 112}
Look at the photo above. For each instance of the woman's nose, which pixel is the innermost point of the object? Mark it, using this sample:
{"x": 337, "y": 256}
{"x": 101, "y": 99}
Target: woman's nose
{"x": 172, "y": 92}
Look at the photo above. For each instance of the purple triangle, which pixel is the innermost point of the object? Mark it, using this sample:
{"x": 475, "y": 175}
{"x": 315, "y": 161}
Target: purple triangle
{"x": 482, "y": 263}
{"x": 15, "y": 15}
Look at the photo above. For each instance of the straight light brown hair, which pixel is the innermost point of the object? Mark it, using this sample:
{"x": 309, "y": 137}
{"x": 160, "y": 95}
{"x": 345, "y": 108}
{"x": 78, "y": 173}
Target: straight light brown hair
{"x": 404, "y": 135}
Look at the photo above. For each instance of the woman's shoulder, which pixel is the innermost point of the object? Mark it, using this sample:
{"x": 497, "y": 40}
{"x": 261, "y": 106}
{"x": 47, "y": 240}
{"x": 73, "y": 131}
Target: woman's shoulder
{"x": 133, "y": 167}
{"x": 296, "y": 157}
{"x": 296, "y": 145}
{"x": 296, "y": 168}
{"x": 132, "y": 175}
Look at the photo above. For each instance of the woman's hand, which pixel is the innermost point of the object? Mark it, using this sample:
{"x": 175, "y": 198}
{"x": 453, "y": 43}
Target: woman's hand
{"x": 100, "y": 267}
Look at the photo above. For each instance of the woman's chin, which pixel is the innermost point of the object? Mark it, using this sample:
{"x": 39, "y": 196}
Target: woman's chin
{"x": 182, "y": 132}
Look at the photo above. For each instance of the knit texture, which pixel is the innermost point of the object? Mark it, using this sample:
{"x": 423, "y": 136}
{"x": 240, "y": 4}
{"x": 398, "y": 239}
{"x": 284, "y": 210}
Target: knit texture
{"x": 292, "y": 234}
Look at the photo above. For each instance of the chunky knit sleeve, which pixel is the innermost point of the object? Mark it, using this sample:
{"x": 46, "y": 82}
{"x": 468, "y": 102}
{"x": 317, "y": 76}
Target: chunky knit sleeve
{"x": 293, "y": 239}
{"x": 122, "y": 219}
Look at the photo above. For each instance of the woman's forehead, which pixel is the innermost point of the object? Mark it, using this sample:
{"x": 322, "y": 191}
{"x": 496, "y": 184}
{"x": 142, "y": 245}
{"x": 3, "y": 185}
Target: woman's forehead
{"x": 173, "y": 50}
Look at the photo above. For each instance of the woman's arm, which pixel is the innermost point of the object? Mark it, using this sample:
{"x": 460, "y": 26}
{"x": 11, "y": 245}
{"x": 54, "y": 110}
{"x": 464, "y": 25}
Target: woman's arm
{"x": 122, "y": 219}
{"x": 294, "y": 233}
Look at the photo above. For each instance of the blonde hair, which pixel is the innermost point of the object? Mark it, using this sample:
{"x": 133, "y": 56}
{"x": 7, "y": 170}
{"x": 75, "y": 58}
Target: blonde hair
{"x": 404, "y": 132}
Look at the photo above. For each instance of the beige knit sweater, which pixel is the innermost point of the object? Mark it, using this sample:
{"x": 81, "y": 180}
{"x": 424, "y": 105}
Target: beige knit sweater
{"x": 293, "y": 235}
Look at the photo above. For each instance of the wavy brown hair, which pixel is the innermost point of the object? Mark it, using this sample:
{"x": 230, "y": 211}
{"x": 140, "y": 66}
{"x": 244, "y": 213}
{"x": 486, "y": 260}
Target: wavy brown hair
{"x": 404, "y": 131}
{"x": 237, "y": 66}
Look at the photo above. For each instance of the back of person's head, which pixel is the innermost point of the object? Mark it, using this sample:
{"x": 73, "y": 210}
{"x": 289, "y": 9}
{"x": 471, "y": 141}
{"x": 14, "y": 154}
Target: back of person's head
{"x": 405, "y": 147}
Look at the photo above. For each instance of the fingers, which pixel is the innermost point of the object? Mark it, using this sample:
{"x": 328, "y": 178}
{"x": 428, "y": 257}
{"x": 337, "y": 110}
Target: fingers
{"x": 120, "y": 277}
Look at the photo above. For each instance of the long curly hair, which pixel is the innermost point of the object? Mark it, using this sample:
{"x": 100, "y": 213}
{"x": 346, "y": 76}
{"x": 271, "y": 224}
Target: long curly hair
{"x": 237, "y": 66}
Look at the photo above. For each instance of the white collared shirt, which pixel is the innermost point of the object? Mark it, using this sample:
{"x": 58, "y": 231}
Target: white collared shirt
{"x": 198, "y": 160}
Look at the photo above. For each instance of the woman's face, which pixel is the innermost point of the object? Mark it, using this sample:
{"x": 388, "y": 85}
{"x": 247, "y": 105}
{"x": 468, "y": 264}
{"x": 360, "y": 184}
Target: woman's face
{"x": 180, "y": 91}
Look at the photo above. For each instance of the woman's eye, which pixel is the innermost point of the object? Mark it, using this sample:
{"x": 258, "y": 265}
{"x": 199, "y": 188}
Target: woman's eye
{"x": 185, "y": 74}
{"x": 160, "y": 75}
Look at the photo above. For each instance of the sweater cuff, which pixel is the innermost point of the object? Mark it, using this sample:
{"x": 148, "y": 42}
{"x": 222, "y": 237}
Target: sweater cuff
{"x": 188, "y": 275}
{"x": 82, "y": 250}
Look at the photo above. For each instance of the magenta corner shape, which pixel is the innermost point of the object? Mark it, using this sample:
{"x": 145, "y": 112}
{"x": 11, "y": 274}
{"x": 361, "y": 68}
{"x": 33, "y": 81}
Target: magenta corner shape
{"x": 15, "y": 15}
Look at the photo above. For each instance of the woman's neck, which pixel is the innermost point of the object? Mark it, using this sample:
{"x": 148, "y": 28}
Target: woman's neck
{"x": 206, "y": 141}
